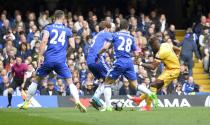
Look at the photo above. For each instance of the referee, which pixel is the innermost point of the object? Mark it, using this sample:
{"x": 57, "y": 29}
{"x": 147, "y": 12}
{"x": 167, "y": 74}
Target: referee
{"x": 19, "y": 77}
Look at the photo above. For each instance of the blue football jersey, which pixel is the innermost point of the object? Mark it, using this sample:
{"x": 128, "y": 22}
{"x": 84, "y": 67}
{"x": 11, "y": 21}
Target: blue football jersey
{"x": 57, "y": 43}
{"x": 97, "y": 44}
{"x": 123, "y": 44}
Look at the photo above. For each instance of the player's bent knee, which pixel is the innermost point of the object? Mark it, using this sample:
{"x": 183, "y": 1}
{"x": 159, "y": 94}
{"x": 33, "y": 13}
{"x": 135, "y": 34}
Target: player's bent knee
{"x": 69, "y": 81}
{"x": 109, "y": 81}
{"x": 157, "y": 84}
{"x": 133, "y": 83}
{"x": 38, "y": 79}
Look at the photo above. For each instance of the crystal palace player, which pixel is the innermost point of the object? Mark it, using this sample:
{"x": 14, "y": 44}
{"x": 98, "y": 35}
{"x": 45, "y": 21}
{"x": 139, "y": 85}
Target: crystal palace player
{"x": 100, "y": 68}
{"x": 123, "y": 44}
{"x": 56, "y": 37}
{"x": 167, "y": 54}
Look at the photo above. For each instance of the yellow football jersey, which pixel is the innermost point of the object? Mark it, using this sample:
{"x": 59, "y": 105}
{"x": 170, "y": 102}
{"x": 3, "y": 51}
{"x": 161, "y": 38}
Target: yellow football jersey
{"x": 167, "y": 55}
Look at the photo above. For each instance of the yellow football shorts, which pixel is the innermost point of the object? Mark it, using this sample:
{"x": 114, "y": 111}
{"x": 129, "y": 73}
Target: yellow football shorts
{"x": 168, "y": 76}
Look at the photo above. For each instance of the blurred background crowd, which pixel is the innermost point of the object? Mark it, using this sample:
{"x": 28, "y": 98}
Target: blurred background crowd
{"x": 20, "y": 35}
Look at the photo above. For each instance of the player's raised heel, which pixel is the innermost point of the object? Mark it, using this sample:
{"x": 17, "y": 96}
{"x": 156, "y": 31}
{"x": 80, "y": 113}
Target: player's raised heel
{"x": 81, "y": 107}
{"x": 136, "y": 100}
{"x": 153, "y": 96}
{"x": 25, "y": 105}
{"x": 146, "y": 108}
{"x": 96, "y": 103}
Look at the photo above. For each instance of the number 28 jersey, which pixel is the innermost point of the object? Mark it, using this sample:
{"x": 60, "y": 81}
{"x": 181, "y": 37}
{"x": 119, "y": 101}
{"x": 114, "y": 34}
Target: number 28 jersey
{"x": 123, "y": 44}
{"x": 57, "y": 43}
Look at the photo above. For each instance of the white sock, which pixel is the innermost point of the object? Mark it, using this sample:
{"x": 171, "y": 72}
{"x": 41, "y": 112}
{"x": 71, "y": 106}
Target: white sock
{"x": 143, "y": 89}
{"x": 74, "y": 92}
{"x": 107, "y": 95}
{"x": 99, "y": 90}
{"x": 31, "y": 90}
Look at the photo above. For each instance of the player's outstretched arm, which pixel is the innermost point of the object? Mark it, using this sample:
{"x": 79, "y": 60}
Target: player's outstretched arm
{"x": 43, "y": 46}
{"x": 176, "y": 50}
{"x": 152, "y": 65}
{"x": 105, "y": 47}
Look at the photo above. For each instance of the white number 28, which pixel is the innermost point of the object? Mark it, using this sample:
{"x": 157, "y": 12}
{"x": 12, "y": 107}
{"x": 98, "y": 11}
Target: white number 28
{"x": 125, "y": 44}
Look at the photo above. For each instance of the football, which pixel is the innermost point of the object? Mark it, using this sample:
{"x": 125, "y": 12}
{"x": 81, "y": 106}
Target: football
{"x": 118, "y": 105}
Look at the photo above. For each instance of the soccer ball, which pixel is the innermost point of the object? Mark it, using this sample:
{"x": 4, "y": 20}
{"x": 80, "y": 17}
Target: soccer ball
{"x": 118, "y": 106}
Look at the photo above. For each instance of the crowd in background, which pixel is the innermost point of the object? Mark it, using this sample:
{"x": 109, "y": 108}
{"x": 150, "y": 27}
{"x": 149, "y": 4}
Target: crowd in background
{"x": 22, "y": 37}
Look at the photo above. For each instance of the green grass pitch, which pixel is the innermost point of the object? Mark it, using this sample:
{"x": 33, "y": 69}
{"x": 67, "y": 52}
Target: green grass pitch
{"x": 69, "y": 116}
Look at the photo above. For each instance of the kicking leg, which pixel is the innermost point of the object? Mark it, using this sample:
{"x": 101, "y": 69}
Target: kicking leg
{"x": 95, "y": 101}
{"x": 31, "y": 91}
{"x": 75, "y": 94}
{"x": 108, "y": 93}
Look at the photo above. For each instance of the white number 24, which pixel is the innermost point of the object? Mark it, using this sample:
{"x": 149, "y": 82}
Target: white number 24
{"x": 125, "y": 44}
{"x": 61, "y": 38}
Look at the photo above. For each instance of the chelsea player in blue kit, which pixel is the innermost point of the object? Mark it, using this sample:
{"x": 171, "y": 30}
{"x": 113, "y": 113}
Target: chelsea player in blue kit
{"x": 123, "y": 44}
{"x": 56, "y": 37}
{"x": 100, "y": 68}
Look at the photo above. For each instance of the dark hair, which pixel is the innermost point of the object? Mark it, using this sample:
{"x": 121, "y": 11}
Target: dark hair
{"x": 59, "y": 14}
{"x": 124, "y": 24}
{"x": 153, "y": 39}
{"x": 103, "y": 25}
{"x": 18, "y": 56}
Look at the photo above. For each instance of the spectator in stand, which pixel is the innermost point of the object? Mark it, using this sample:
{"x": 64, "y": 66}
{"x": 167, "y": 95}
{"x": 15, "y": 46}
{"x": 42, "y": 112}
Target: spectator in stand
{"x": 3, "y": 31}
{"x": 171, "y": 32}
{"x": 78, "y": 25}
{"x": 163, "y": 24}
{"x": 35, "y": 50}
{"x": 83, "y": 72}
{"x": 93, "y": 22}
{"x": 186, "y": 55}
{"x": 206, "y": 56}
{"x": 18, "y": 19}
{"x": 50, "y": 90}
{"x": 154, "y": 18}
{"x": 171, "y": 89}
{"x": 133, "y": 24}
{"x": 61, "y": 88}
{"x": 3, "y": 17}
{"x": 89, "y": 89}
{"x": 132, "y": 13}
{"x": 30, "y": 35}
{"x": 43, "y": 20}
{"x": 8, "y": 47}
{"x": 24, "y": 52}
{"x": 30, "y": 17}
{"x": 85, "y": 30}
{"x": 183, "y": 74}
{"x": 189, "y": 86}
{"x": 178, "y": 90}
{"x": 141, "y": 41}
{"x": 199, "y": 27}
{"x": 125, "y": 89}
{"x": 203, "y": 39}
{"x": 87, "y": 85}
{"x": 77, "y": 83}
{"x": 36, "y": 37}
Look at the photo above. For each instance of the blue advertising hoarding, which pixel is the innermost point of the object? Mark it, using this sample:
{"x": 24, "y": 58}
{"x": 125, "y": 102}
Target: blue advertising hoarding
{"x": 36, "y": 102}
